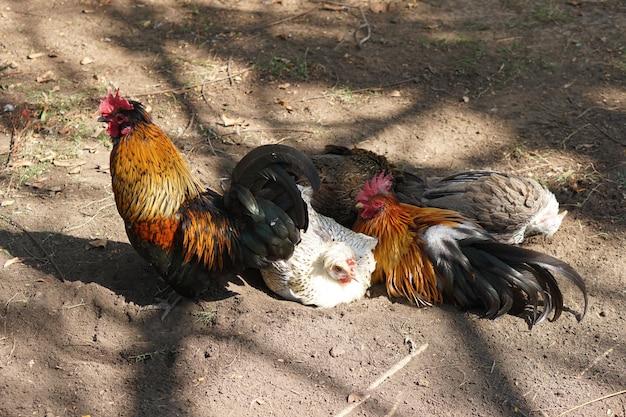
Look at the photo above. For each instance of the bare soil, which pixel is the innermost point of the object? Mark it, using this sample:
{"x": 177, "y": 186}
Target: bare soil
{"x": 532, "y": 87}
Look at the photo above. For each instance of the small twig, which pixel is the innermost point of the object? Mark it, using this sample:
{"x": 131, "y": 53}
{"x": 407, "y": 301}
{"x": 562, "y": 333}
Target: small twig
{"x": 48, "y": 256}
{"x": 278, "y": 22}
{"x": 591, "y": 402}
{"x": 606, "y": 134}
{"x": 589, "y": 195}
{"x": 82, "y": 303}
{"x": 6, "y": 305}
{"x": 365, "y": 25}
{"x": 192, "y": 86}
{"x": 595, "y": 361}
{"x": 568, "y": 137}
{"x": 367, "y": 89}
{"x": 269, "y": 129}
{"x": 229, "y": 72}
{"x": 368, "y": 30}
{"x": 78, "y": 226}
{"x": 12, "y": 349}
{"x": 395, "y": 368}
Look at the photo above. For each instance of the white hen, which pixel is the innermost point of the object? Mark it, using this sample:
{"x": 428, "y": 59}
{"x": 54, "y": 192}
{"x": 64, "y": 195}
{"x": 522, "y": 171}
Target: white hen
{"x": 330, "y": 265}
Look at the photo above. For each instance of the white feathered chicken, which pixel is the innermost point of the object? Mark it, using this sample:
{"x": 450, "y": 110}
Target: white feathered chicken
{"x": 331, "y": 264}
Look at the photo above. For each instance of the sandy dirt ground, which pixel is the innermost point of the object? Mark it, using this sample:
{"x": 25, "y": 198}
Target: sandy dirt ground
{"x": 534, "y": 87}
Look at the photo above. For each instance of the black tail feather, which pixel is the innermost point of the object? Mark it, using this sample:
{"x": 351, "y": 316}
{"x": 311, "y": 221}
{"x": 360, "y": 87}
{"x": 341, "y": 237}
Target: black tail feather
{"x": 540, "y": 277}
{"x": 264, "y": 191}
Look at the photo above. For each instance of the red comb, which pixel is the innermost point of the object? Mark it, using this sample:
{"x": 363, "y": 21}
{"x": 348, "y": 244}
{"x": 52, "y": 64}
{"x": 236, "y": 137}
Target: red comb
{"x": 111, "y": 103}
{"x": 379, "y": 183}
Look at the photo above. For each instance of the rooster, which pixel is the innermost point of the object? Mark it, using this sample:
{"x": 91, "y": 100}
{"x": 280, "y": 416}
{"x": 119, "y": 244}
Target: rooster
{"x": 330, "y": 265}
{"x": 190, "y": 234}
{"x": 431, "y": 255}
{"x": 510, "y": 207}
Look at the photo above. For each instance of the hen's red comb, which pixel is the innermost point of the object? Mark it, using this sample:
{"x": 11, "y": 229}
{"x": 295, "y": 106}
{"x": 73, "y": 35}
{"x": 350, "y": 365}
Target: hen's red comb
{"x": 111, "y": 103}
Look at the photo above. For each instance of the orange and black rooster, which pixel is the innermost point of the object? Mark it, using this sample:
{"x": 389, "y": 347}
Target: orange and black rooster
{"x": 191, "y": 234}
{"x": 432, "y": 255}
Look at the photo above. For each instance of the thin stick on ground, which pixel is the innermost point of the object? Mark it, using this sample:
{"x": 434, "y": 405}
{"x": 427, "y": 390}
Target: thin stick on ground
{"x": 395, "y": 368}
{"x": 78, "y": 226}
{"x": 192, "y": 86}
{"x": 596, "y": 360}
{"x": 48, "y": 256}
{"x": 277, "y": 22}
{"x": 592, "y": 401}
{"x": 269, "y": 129}
{"x": 363, "y": 90}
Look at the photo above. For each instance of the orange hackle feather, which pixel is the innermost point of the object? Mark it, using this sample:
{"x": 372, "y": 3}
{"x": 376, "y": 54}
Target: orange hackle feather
{"x": 150, "y": 182}
{"x": 402, "y": 263}
{"x": 204, "y": 238}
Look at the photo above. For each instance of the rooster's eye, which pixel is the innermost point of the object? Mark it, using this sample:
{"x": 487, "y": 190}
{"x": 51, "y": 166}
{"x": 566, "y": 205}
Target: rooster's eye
{"x": 337, "y": 269}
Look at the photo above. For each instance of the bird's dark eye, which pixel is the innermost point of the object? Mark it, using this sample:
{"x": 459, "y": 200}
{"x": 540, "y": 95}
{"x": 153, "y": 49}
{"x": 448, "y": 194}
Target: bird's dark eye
{"x": 337, "y": 268}
{"x": 120, "y": 118}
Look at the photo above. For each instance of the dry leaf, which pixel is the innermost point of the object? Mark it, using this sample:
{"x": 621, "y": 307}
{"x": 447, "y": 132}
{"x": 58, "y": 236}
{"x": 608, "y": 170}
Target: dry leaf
{"x": 35, "y": 55}
{"x": 21, "y": 163}
{"x": 395, "y": 93}
{"x": 5, "y": 203}
{"x": 45, "y": 77}
{"x": 333, "y": 7}
{"x": 11, "y": 262}
{"x": 86, "y": 61}
{"x": 358, "y": 396}
{"x": 74, "y": 171}
{"x": 48, "y": 156}
{"x": 284, "y": 86}
{"x": 98, "y": 243}
{"x": 285, "y": 103}
{"x": 377, "y": 7}
{"x": 230, "y": 121}
{"x": 38, "y": 185}
{"x": 585, "y": 146}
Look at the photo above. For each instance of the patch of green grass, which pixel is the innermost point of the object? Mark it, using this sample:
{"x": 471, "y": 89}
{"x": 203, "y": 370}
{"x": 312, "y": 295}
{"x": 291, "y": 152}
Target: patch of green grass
{"x": 287, "y": 68}
{"x": 479, "y": 26}
{"x": 467, "y": 52}
{"x": 516, "y": 62}
{"x": 345, "y": 94}
{"x": 551, "y": 12}
{"x": 206, "y": 317}
{"x": 620, "y": 179}
{"x": 28, "y": 174}
{"x": 620, "y": 63}
{"x": 149, "y": 355}
{"x": 469, "y": 59}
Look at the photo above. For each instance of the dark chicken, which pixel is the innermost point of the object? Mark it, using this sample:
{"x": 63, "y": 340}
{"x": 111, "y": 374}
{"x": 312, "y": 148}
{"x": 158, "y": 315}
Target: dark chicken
{"x": 190, "y": 234}
{"x": 431, "y": 255}
{"x": 510, "y": 207}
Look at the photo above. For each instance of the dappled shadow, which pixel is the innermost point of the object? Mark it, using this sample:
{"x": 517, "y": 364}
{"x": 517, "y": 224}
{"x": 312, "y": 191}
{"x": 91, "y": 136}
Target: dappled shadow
{"x": 523, "y": 106}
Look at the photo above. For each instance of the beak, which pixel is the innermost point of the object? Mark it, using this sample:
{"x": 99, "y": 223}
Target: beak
{"x": 104, "y": 119}
{"x": 359, "y": 205}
